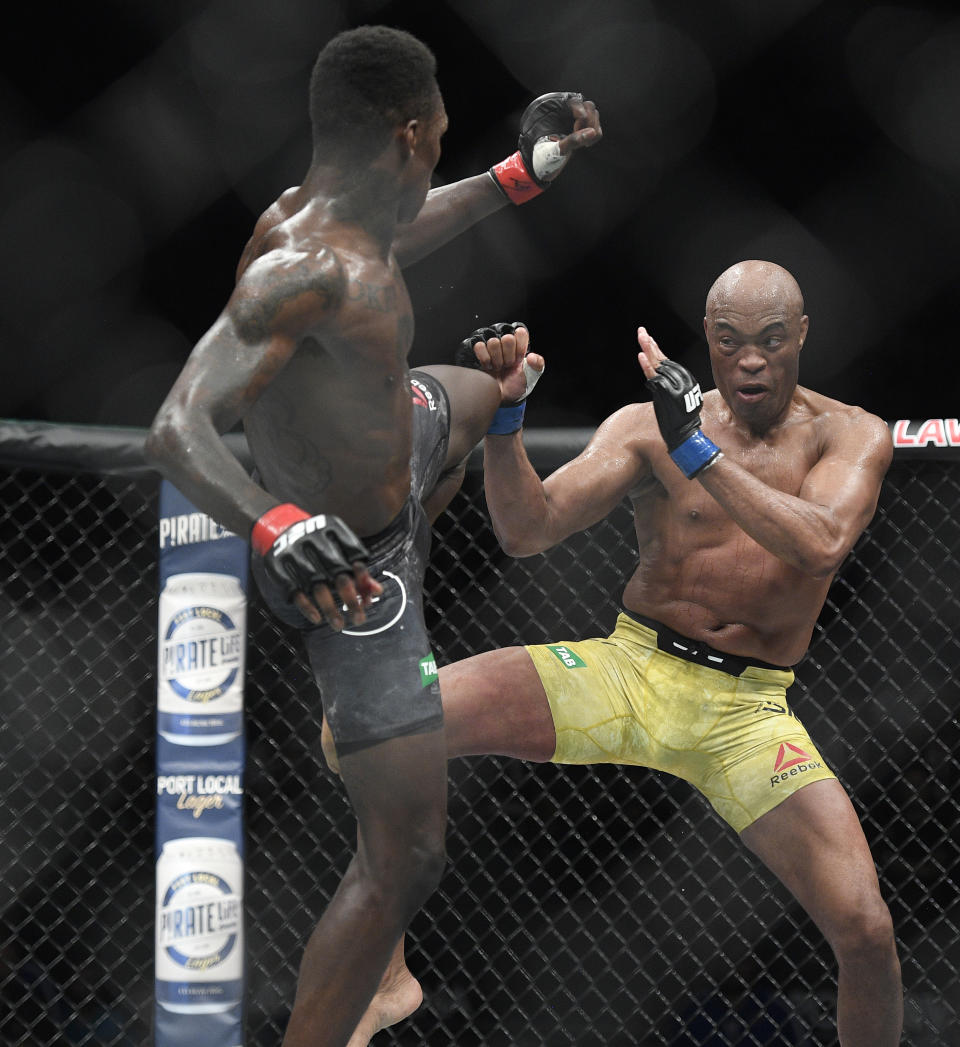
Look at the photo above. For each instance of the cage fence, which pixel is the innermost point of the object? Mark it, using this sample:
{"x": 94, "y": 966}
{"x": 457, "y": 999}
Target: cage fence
{"x": 581, "y": 905}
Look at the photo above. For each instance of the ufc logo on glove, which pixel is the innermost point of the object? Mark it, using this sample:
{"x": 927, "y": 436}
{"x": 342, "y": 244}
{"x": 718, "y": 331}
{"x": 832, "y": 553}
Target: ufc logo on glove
{"x": 298, "y": 530}
{"x": 693, "y": 399}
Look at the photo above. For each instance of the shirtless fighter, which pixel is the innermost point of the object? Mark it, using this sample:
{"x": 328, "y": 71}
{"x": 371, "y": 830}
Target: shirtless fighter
{"x": 745, "y": 505}
{"x": 310, "y": 353}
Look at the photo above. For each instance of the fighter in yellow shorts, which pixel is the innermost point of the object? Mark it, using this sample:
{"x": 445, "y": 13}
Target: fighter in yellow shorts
{"x": 746, "y": 501}
{"x": 724, "y": 727}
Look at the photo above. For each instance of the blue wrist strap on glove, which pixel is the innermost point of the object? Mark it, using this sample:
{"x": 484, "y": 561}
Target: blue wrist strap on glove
{"x": 507, "y": 420}
{"x": 694, "y": 454}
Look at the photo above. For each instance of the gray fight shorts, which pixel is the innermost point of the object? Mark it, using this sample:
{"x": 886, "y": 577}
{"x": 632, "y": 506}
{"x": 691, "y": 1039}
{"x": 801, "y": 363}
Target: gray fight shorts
{"x": 379, "y": 680}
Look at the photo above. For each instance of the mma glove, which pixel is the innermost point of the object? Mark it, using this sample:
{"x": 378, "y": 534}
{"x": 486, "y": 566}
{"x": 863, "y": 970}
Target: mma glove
{"x": 676, "y": 401}
{"x": 301, "y": 551}
{"x": 508, "y": 418}
{"x": 537, "y": 160}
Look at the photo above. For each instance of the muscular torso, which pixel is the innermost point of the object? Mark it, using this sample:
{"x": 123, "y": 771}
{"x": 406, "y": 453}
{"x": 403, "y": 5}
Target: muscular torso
{"x": 331, "y": 432}
{"x": 700, "y": 573}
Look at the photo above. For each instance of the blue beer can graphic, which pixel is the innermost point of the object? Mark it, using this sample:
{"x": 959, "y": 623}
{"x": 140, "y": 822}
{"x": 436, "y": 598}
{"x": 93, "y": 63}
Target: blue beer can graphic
{"x": 199, "y": 926}
{"x": 201, "y": 654}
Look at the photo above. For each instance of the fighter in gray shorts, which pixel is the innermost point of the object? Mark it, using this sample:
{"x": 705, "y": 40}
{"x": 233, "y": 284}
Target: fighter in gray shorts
{"x": 391, "y": 650}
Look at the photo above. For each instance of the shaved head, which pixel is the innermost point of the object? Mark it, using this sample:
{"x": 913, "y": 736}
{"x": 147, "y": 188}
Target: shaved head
{"x": 752, "y": 285}
{"x": 755, "y": 328}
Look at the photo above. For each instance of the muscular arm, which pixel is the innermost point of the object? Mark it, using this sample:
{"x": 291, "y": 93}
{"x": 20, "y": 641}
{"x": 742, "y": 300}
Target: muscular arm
{"x": 452, "y": 209}
{"x": 814, "y": 530}
{"x": 251, "y": 341}
{"x": 530, "y": 515}
{"x": 448, "y": 211}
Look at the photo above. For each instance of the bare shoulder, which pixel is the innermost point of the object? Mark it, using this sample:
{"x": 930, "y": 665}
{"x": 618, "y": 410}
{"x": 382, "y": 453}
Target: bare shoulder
{"x": 289, "y": 288}
{"x": 629, "y": 433}
{"x": 632, "y": 423}
{"x": 846, "y": 427}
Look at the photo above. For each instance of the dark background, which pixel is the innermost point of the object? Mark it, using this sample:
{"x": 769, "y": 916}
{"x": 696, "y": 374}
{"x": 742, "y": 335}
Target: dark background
{"x": 142, "y": 139}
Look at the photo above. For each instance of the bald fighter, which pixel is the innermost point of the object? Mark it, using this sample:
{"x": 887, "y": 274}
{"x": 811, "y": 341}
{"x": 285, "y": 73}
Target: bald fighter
{"x": 746, "y": 501}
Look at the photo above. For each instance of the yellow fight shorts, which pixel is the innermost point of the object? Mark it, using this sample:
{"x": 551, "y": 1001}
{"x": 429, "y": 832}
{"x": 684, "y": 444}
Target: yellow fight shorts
{"x": 647, "y": 696}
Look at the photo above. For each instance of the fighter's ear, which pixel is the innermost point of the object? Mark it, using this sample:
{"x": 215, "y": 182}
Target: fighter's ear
{"x": 408, "y": 133}
{"x": 804, "y": 327}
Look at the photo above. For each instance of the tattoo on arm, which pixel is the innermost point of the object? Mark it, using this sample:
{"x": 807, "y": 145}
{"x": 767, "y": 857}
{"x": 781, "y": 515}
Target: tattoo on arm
{"x": 309, "y": 287}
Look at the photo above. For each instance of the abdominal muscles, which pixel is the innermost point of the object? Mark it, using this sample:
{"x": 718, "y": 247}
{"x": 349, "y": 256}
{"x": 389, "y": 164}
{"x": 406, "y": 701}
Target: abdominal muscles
{"x": 335, "y": 447}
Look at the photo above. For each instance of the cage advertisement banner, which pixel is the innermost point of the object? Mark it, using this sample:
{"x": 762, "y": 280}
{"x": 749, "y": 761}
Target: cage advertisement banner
{"x": 201, "y": 645}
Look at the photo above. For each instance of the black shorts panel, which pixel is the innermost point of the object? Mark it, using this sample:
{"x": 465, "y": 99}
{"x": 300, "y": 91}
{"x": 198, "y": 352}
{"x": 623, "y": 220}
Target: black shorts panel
{"x": 379, "y": 680}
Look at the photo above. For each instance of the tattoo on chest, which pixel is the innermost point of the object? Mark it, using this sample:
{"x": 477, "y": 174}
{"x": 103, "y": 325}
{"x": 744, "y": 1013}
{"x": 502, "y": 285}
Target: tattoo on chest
{"x": 381, "y": 299}
{"x": 313, "y": 470}
{"x": 294, "y": 454}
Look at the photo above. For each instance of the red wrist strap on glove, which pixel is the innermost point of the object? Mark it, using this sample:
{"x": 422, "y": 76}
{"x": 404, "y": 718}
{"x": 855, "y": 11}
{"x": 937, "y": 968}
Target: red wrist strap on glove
{"x": 272, "y": 524}
{"x": 514, "y": 180}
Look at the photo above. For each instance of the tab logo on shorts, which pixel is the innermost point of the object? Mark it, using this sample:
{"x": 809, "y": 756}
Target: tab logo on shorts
{"x": 428, "y": 670}
{"x": 569, "y": 659}
{"x": 791, "y": 761}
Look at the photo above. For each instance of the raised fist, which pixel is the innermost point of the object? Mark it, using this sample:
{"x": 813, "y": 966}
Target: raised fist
{"x": 552, "y": 128}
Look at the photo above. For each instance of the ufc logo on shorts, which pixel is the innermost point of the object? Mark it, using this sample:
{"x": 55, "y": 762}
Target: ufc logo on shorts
{"x": 298, "y": 530}
{"x": 693, "y": 399}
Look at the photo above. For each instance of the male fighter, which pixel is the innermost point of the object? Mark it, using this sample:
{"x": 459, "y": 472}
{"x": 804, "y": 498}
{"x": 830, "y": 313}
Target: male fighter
{"x": 746, "y": 502}
{"x": 310, "y": 353}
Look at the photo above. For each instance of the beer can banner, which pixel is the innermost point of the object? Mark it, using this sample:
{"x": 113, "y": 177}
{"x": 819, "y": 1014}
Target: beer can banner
{"x": 200, "y": 754}
{"x": 199, "y": 926}
{"x": 200, "y": 658}
{"x": 197, "y": 802}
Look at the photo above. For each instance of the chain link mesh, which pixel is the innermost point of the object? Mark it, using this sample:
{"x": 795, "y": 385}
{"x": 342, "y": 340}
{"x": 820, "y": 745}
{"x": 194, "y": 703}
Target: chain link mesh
{"x": 582, "y": 905}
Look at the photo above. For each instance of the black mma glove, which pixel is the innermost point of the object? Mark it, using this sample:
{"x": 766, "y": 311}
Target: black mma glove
{"x": 466, "y": 357}
{"x": 537, "y": 161}
{"x": 676, "y": 401}
{"x": 509, "y": 417}
{"x": 300, "y": 551}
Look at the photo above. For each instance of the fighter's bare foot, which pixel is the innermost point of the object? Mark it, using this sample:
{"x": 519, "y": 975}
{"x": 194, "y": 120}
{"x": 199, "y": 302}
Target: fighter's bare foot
{"x": 396, "y": 999}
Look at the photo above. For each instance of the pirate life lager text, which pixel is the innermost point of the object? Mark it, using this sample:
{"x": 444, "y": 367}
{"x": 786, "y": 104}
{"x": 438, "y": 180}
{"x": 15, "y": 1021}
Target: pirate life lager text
{"x": 201, "y": 653}
{"x": 199, "y": 926}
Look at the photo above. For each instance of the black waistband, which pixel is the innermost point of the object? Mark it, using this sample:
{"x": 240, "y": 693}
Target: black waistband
{"x": 698, "y": 652}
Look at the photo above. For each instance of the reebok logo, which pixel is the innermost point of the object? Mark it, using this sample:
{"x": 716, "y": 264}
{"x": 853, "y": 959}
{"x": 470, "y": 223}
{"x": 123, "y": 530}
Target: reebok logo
{"x": 791, "y": 761}
{"x": 693, "y": 399}
{"x": 788, "y": 756}
{"x": 421, "y": 395}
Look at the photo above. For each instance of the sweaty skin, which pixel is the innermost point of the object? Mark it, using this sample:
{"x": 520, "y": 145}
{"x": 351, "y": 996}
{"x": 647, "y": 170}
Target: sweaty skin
{"x": 311, "y": 349}
{"x": 310, "y": 354}
{"x": 332, "y": 431}
{"x": 741, "y": 558}
{"x": 698, "y": 571}
{"x": 775, "y": 515}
